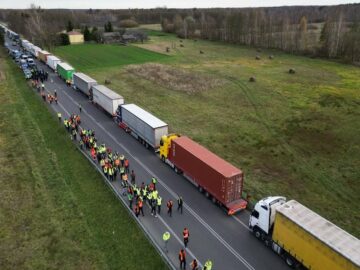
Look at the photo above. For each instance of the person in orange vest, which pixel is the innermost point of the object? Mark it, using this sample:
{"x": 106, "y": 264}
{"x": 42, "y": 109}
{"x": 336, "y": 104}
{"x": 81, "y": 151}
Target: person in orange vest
{"x": 126, "y": 164}
{"x": 194, "y": 265}
{"x": 186, "y": 235}
{"x": 169, "y": 205}
{"x": 140, "y": 205}
{"x": 137, "y": 210}
{"x": 182, "y": 259}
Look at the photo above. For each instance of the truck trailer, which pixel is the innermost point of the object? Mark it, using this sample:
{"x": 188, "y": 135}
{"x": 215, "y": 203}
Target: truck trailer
{"x": 42, "y": 55}
{"x": 144, "y": 126}
{"x": 34, "y": 50}
{"x": 106, "y": 98}
{"x": 52, "y": 62}
{"x": 302, "y": 237}
{"x": 217, "y": 178}
{"x": 65, "y": 71}
{"x": 83, "y": 82}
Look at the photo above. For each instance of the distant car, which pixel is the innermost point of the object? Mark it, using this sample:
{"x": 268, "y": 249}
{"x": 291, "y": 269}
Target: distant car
{"x": 23, "y": 64}
{"x": 27, "y": 74}
{"x": 30, "y": 62}
{"x": 24, "y": 57}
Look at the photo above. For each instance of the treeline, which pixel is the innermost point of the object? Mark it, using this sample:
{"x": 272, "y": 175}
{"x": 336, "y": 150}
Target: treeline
{"x": 337, "y": 36}
{"x": 327, "y": 31}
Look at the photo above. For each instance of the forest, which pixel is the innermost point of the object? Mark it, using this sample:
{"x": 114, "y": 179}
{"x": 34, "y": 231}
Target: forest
{"x": 316, "y": 31}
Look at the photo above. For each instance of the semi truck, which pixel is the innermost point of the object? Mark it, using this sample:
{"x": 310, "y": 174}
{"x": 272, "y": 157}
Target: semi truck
{"x": 83, "y": 82}
{"x": 42, "y": 55}
{"x": 65, "y": 71}
{"x": 34, "y": 50}
{"x": 52, "y": 62}
{"x": 302, "y": 237}
{"x": 217, "y": 178}
{"x": 106, "y": 98}
{"x": 141, "y": 124}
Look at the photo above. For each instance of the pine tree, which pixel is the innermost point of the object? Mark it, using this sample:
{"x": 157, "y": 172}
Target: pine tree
{"x": 87, "y": 34}
{"x": 69, "y": 26}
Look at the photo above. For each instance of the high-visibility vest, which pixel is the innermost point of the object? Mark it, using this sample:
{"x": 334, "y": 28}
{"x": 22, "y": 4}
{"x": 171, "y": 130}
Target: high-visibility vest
{"x": 122, "y": 170}
{"x": 166, "y": 236}
{"x": 59, "y": 115}
{"x": 159, "y": 201}
{"x": 105, "y": 169}
{"x": 122, "y": 157}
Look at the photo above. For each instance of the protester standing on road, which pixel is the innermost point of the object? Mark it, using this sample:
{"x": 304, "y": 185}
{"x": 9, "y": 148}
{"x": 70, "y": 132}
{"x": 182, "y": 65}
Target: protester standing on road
{"x": 59, "y": 116}
{"x": 207, "y": 265}
{"x": 169, "y": 205}
{"x": 180, "y": 204}
{"x": 166, "y": 238}
{"x": 194, "y": 265}
{"x": 140, "y": 204}
{"x": 80, "y": 108}
{"x": 182, "y": 259}
{"x": 130, "y": 198}
{"x": 133, "y": 176}
{"x": 186, "y": 235}
{"x": 158, "y": 202}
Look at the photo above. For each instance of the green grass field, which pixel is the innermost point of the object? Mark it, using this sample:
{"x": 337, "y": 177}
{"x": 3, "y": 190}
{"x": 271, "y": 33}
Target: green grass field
{"x": 55, "y": 210}
{"x": 292, "y": 134}
{"x": 84, "y": 58}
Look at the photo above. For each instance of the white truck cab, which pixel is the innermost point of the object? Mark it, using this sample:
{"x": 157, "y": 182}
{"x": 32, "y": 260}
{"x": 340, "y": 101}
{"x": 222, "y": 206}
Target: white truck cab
{"x": 263, "y": 216}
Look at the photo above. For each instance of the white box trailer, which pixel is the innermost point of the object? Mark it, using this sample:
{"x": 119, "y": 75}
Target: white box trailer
{"x": 23, "y": 41}
{"x": 143, "y": 125}
{"x": 106, "y": 98}
{"x": 83, "y": 82}
{"x": 52, "y": 61}
{"x": 34, "y": 50}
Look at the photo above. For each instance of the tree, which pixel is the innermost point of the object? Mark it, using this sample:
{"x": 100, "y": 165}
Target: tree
{"x": 69, "y": 26}
{"x": 87, "y": 34}
{"x": 110, "y": 27}
{"x": 64, "y": 39}
{"x": 95, "y": 34}
{"x": 303, "y": 34}
{"x": 189, "y": 26}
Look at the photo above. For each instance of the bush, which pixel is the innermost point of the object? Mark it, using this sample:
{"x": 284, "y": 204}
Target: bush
{"x": 64, "y": 39}
{"x": 128, "y": 23}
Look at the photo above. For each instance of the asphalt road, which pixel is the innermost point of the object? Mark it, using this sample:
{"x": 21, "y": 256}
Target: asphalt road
{"x": 213, "y": 235}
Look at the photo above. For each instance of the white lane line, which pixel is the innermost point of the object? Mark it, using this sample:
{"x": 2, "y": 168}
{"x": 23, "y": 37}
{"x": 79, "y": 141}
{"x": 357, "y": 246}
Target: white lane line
{"x": 207, "y": 226}
{"x": 241, "y": 223}
{"x": 120, "y": 197}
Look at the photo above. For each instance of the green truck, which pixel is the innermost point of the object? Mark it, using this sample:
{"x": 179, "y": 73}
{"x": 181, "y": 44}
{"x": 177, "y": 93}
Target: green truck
{"x": 65, "y": 71}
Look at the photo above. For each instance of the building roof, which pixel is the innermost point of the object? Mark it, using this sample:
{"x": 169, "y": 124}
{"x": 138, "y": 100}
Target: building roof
{"x": 74, "y": 33}
{"x": 328, "y": 233}
{"x": 208, "y": 157}
{"x": 107, "y": 92}
{"x": 145, "y": 116}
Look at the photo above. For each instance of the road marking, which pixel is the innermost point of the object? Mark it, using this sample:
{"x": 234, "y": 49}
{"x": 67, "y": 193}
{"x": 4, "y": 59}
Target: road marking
{"x": 125, "y": 203}
{"x": 242, "y": 223}
{"x": 207, "y": 226}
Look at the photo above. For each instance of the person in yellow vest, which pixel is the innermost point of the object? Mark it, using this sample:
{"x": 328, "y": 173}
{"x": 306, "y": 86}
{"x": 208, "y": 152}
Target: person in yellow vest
{"x": 159, "y": 202}
{"x": 59, "y": 116}
{"x": 207, "y": 265}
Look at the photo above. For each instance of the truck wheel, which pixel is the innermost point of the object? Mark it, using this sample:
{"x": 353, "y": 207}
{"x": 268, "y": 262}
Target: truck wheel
{"x": 176, "y": 169}
{"x": 213, "y": 200}
{"x": 207, "y": 194}
{"x": 289, "y": 261}
{"x": 146, "y": 145}
{"x": 201, "y": 189}
{"x": 257, "y": 233}
{"x": 163, "y": 159}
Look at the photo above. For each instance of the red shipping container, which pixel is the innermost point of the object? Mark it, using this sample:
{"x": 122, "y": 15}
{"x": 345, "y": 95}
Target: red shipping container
{"x": 219, "y": 178}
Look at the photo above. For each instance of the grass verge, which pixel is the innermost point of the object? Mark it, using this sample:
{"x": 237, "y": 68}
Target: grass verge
{"x": 55, "y": 210}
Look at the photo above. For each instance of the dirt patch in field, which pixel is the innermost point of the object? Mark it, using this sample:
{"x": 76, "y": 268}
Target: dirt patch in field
{"x": 174, "y": 78}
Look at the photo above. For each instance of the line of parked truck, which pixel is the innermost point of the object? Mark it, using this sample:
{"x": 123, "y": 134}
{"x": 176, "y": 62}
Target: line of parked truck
{"x": 299, "y": 235}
